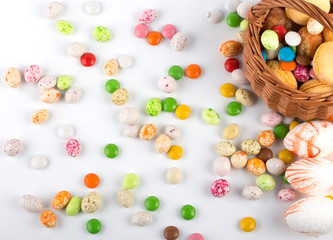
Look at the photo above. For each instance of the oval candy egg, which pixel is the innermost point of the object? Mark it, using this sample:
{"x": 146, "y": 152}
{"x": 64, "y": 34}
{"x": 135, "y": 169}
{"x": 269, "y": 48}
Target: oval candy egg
{"x": 47, "y": 82}
{"x": 163, "y": 143}
{"x": 48, "y": 219}
{"x": 13, "y": 77}
{"x": 91, "y": 202}
{"x": 147, "y": 16}
{"x": 50, "y": 95}
{"x": 73, "y": 147}
{"x": 179, "y": 41}
{"x": 61, "y": 200}
{"x": 31, "y": 203}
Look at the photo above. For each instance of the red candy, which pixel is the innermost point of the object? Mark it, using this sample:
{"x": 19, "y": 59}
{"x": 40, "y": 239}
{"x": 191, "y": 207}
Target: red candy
{"x": 220, "y": 188}
{"x": 281, "y": 32}
{"x": 231, "y": 64}
{"x": 88, "y": 59}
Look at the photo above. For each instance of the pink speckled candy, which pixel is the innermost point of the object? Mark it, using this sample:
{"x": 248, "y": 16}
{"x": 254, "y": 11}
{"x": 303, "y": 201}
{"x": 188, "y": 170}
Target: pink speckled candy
{"x": 220, "y": 188}
{"x": 287, "y": 194}
{"x": 168, "y": 31}
{"x": 33, "y": 73}
{"x": 271, "y": 118}
{"x": 167, "y": 84}
{"x": 13, "y": 147}
{"x": 141, "y": 30}
{"x": 73, "y": 147}
{"x": 196, "y": 236}
{"x": 302, "y": 73}
{"x": 147, "y": 16}
{"x": 312, "y": 74}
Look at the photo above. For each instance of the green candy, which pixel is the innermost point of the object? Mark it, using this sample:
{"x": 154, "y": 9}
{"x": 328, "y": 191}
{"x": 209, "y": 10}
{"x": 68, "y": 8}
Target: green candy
{"x": 169, "y": 104}
{"x": 284, "y": 179}
{"x": 111, "y": 150}
{"x": 244, "y": 24}
{"x": 130, "y": 181}
{"x": 270, "y": 40}
{"x": 74, "y": 206}
{"x": 234, "y": 108}
{"x": 102, "y": 34}
{"x": 152, "y": 203}
{"x": 153, "y": 107}
{"x": 176, "y": 72}
{"x": 112, "y": 85}
{"x": 188, "y": 212}
{"x": 233, "y": 19}
{"x": 265, "y": 182}
{"x": 280, "y": 131}
{"x": 64, "y": 27}
{"x": 94, "y": 226}
{"x": 64, "y": 82}
{"x": 210, "y": 116}
{"x": 294, "y": 48}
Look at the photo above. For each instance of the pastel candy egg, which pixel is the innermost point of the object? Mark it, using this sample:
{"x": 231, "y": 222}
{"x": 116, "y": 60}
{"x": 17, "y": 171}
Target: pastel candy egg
{"x": 33, "y": 73}
{"x": 266, "y": 138}
{"x": 220, "y": 188}
{"x": 179, "y": 41}
{"x": 73, "y": 147}
{"x": 125, "y": 198}
{"x": 129, "y": 116}
{"x": 210, "y": 116}
{"x": 173, "y": 132}
{"x": 141, "y": 30}
{"x": 64, "y": 27}
{"x": 214, "y": 15}
{"x": 66, "y": 131}
{"x": 293, "y": 39}
{"x": 76, "y": 49}
{"x": 61, "y": 200}
{"x": 102, "y": 34}
{"x": 125, "y": 61}
{"x": 270, "y": 40}
{"x": 47, "y": 82}
{"x": 40, "y": 116}
{"x": 147, "y": 16}
{"x": 53, "y": 10}
{"x": 39, "y": 162}
{"x": 238, "y": 76}
{"x": 230, "y": 48}
{"x": 91, "y": 202}
{"x": 73, "y": 95}
{"x": 64, "y": 82}
{"x": 287, "y": 120}
{"x": 132, "y": 131}
{"x": 142, "y": 218}
{"x": 50, "y": 95}
{"x": 153, "y": 107}
{"x": 74, "y": 206}
{"x": 271, "y": 118}
{"x": 31, "y": 203}
{"x": 196, "y": 236}
{"x": 111, "y": 67}
{"x": 48, "y": 219}
{"x": 287, "y": 54}
{"x": 313, "y": 74}
{"x": 222, "y": 166}
{"x": 174, "y": 175}
{"x": 231, "y": 5}
{"x": 13, "y": 77}
{"x": 256, "y": 166}
{"x": 252, "y": 192}
{"x": 167, "y": 84}
{"x": 92, "y": 7}
{"x": 231, "y": 131}
{"x": 163, "y": 143}
{"x": 147, "y": 132}
{"x": 238, "y": 159}
{"x": 120, "y": 96}
{"x": 244, "y": 96}
{"x": 251, "y": 147}
{"x": 243, "y": 9}
{"x": 275, "y": 166}
{"x": 13, "y": 147}
{"x": 314, "y": 27}
{"x": 225, "y": 148}
{"x": 130, "y": 181}
{"x": 287, "y": 194}
{"x": 265, "y": 182}
{"x": 168, "y": 31}
{"x": 302, "y": 73}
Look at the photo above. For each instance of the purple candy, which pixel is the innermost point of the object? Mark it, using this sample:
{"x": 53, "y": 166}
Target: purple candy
{"x": 302, "y": 73}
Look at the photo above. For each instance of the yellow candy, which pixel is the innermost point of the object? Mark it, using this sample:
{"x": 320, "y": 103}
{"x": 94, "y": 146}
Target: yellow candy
{"x": 293, "y": 124}
{"x": 183, "y": 112}
{"x": 286, "y": 156}
{"x": 175, "y": 152}
{"x": 228, "y": 90}
{"x": 248, "y": 224}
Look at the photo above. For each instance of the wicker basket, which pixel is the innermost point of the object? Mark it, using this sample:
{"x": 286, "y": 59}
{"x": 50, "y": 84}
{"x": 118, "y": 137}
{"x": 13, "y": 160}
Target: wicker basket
{"x": 278, "y": 96}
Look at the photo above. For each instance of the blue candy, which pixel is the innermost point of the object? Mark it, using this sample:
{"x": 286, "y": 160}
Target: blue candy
{"x": 286, "y": 54}
{"x": 264, "y": 55}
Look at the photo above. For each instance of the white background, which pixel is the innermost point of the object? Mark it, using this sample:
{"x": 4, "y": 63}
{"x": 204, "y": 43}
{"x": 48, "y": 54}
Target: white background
{"x": 29, "y": 38}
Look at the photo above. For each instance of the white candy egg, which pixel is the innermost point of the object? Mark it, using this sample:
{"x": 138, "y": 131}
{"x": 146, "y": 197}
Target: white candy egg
{"x": 314, "y": 27}
{"x": 238, "y": 76}
{"x": 47, "y": 82}
{"x": 13, "y": 147}
{"x": 222, "y": 166}
{"x": 125, "y": 61}
{"x": 142, "y": 219}
{"x": 231, "y": 5}
{"x": 132, "y": 131}
{"x": 39, "y": 162}
{"x": 31, "y": 203}
{"x": 53, "y": 10}
{"x": 243, "y": 9}
{"x": 76, "y": 49}
{"x": 66, "y": 131}
{"x": 179, "y": 41}
{"x": 252, "y": 192}
{"x": 92, "y": 7}
{"x": 129, "y": 116}
{"x": 173, "y": 132}
{"x": 73, "y": 95}
{"x": 167, "y": 84}
{"x": 214, "y": 15}
{"x": 293, "y": 39}
{"x": 275, "y": 166}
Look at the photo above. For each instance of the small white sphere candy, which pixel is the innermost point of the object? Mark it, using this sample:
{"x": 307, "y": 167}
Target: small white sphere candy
{"x": 252, "y": 192}
{"x": 13, "y": 147}
{"x": 231, "y": 5}
{"x": 238, "y": 76}
{"x": 275, "y": 166}
{"x": 132, "y": 131}
{"x": 314, "y": 27}
{"x": 66, "y": 131}
{"x": 125, "y": 61}
{"x": 243, "y": 9}
{"x": 73, "y": 95}
{"x": 222, "y": 166}
{"x": 76, "y": 49}
{"x": 173, "y": 132}
{"x": 167, "y": 84}
{"x": 287, "y": 194}
{"x": 214, "y": 15}
{"x": 293, "y": 39}
{"x": 174, "y": 175}
{"x": 53, "y": 10}
{"x": 92, "y": 7}
{"x": 39, "y": 162}
{"x": 129, "y": 116}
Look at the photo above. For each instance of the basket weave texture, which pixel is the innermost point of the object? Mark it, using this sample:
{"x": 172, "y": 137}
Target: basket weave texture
{"x": 278, "y": 96}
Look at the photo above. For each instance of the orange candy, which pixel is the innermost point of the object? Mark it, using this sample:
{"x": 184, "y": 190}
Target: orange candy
{"x": 154, "y": 38}
{"x": 48, "y": 219}
{"x": 230, "y": 48}
{"x": 193, "y": 71}
{"x": 91, "y": 180}
{"x": 266, "y": 138}
{"x": 256, "y": 166}
{"x": 288, "y": 66}
{"x": 61, "y": 200}
{"x": 148, "y": 132}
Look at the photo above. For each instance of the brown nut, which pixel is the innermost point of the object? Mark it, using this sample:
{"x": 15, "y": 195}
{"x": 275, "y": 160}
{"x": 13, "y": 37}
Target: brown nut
{"x": 309, "y": 43}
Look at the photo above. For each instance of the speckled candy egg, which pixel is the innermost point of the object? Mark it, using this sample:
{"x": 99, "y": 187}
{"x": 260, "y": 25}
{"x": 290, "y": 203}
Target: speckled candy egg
{"x": 13, "y": 77}
{"x": 265, "y": 182}
{"x": 53, "y": 10}
{"x": 179, "y": 41}
{"x": 173, "y": 132}
{"x": 270, "y": 40}
{"x": 147, "y": 16}
{"x": 61, "y": 200}
{"x": 147, "y": 132}
{"x": 252, "y": 192}
{"x": 125, "y": 198}
{"x": 302, "y": 73}
{"x": 221, "y": 166}
{"x": 13, "y": 147}
{"x": 220, "y": 188}
{"x": 287, "y": 194}
{"x": 73, "y": 147}
{"x": 275, "y": 166}
{"x": 47, "y": 82}
{"x": 33, "y": 73}
{"x": 76, "y": 49}
{"x": 132, "y": 131}
{"x": 40, "y": 116}
{"x": 230, "y": 48}
{"x": 31, "y": 203}
{"x": 250, "y": 146}
{"x": 238, "y": 159}
{"x": 120, "y": 96}
{"x": 238, "y": 76}
{"x": 225, "y": 148}
{"x": 73, "y": 95}
{"x": 129, "y": 116}
{"x": 153, "y": 107}
{"x": 271, "y": 118}
{"x": 167, "y": 84}
{"x": 142, "y": 218}
{"x": 111, "y": 67}
{"x": 256, "y": 166}
{"x": 174, "y": 175}
{"x": 163, "y": 143}
{"x": 314, "y": 27}
{"x": 91, "y": 202}
{"x": 244, "y": 96}
{"x": 266, "y": 138}
{"x": 50, "y": 95}
{"x": 48, "y": 219}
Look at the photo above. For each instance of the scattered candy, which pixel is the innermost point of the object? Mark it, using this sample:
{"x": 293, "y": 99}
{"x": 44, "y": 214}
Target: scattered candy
{"x": 171, "y": 233}
{"x": 92, "y": 7}
{"x": 231, "y": 5}
{"x": 231, "y": 64}
{"x": 66, "y": 131}
{"x": 112, "y": 85}
{"x": 142, "y": 219}
{"x": 266, "y": 138}
{"x": 130, "y": 181}
{"x": 125, "y": 198}
{"x": 284, "y": 179}
{"x": 228, "y": 90}
{"x": 265, "y": 182}
{"x": 33, "y": 74}
{"x": 125, "y": 61}
{"x": 91, "y": 180}
{"x": 247, "y": 224}
{"x": 230, "y": 48}
{"x": 48, "y": 219}
{"x": 175, "y": 152}
{"x": 31, "y": 203}
{"x": 64, "y": 27}
{"x": 141, "y": 30}
{"x": 210, "y": 116}
{"x": 147, "y": 16}
{"x": 61, "y": 200}
{"x": 74, "y": 206}
{"x": 286, "y": 54}
{"x": 167, "y": 84}
{"x": 252, "y": 192}
{"x": 153, "y": 107}
{"x": 111, "y": 67}
{"x": 302, "y": 73}
{"x": 50, "y": 95}
{"x": 73, "y": 95}
{"x": 169, "y": 104}
{"x": 168, "y": 31}
{"x": 270, "y": 40}
{"x": 265, "y": 154}
{"x": 251, "y": 147}
{"x": 225, "y": 148}
{"x": 256, "y": 166}
{"x": 39, "y": 162}
{"x": 238, "y": 76}
{"x": 93, "y": 226}
{"x": 154, "y": 38}
{"x": 174, "y": 175}
{"x": 176, "y": 72}
{"x": 238, "y": 159}
{"x": 64, "y": 82}
{"x": 286, "y": 156}
{"x": 76, "y": 49}
{"x": 183, "y": 112}
{"x": 152, "y": 203}
{"x": 13, "y": 147}
{"x": 271, "y": 119}
{"x": 281, "y": 131}
{"x": 111, "y": 150}
{"x": 163, "y": 143}
{"x": 179, "y": 42}
{"x": 222, "y": 166}
{"x": 293, "y": 39}
{"x": 193, "y": 71}
{"x": 287, "y": 194}
{"x": 88, "y": 59}
{"x": 132, "y": 131}
{"x": 234, "y": 108}
{"x": 102, "y": 34}
{"x": 13, "y": 77}
{"x": 73, "y": 147}
{"x": 233, "y": 19}
{"x": 147, "y": 132}
{"x": 47, "y": 82}
{"x": 129, "y": 116}
{"x": 196, "y": 236}
{"x": 53, "y": 10}
{"x": 280, "y": 31}
{"x": 244, "y": 96}
{"x": 91, "y": 202}
{"x": 188, "y": 212}
{"x": 120, "y": 96}
{"x": 231, "y": 131}
{"x": 173, "y": 132}
{"x": 275, "y": 166}
{"x": 220, "y": 188}
{"x": 40, "y": 116}
{"x": 314, "y": 27}
{"x": 214, "y": 15}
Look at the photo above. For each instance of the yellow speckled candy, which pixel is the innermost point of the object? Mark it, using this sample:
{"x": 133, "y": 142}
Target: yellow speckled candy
{"x": 91, "y": 202}
{"x": 61, "y": 200}
{"x": 225, "y": 148}
{"x": 111, "y": 67}
{"x": 120, "y": 96}
{"x": 251, "y": 147}
{"x": 13, "y": 77}
{"x": 40, "y": 116}
{"x": 287, "y": 77}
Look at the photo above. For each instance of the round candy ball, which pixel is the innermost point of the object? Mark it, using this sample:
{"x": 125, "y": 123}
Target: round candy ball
{"x": 102, "y": 34}
{"x": 147, "y": 132}
{"x": 53, "y": 10}
{"x": 167, "y": 84}
{"x": 270, "y": 40}
{"x": 196, "y": 236}
{"x": 91, "y": 180}
{"x": 130, "y": 181}
{"x": 281, "y": 131}
{"x": 153, "y": 107}
{"x": 228, "y": 90}
{"x": 247, "y": 224}
{"x": 175, "y": 152}
{"x": 129, "y": 116}
{"x": 13, "y": 147}
{"x": 287, "y": 54}
{"x": 76, "y": 49}
{"x": 286, "y": 156}
{"x": 234, "y": 108}
{"x": 314, "y": 27}
{"x": 173, "y": 132}
{"x": 233, "y": 19}
{"x": 252, "y": 192}
{"x": 275, "y": 166}
{"x": 174, "y": 175}
{"x": 112, "y": 85}
{"x": 183, "y": 112}
{"x": 73, "y": 147}
{"x": 265, "y": 154}
{"x": 251, "y": 147}
{"x": 287, "y": 194}
{"x": 265, "y": 182}
{"x": 225, "y": 148}
{"x": 238, "y": 159}
{"x": 256, "y": 166}
{"x": 141, "y": 30}
{"x": 169, "y": 104}
{"x": 222, "y": 166}
{"x": 92, "y": 7}
{"x": 66, "y": 131}
{"x": 168, "y": 31}
{"x": 94, "y": 226}
{"x": 132, "y": 131}
{"x": 293, "y": 39}
{"x": 154, "y": 38}
{"x": 266, "y": 138}
{"x": 214, "y": 15}
{"x": 231, "y": 64}
{"x": 111, "y": 150}
{"x": 39, "y": 162}
{"x": 188, "y": 212}
{"x": 220, "y": 188}
{"x": 152, "y": 203}
{"x": 171, "y": 233}
{"x": 176, "y": 72}
{"x": 271, "y": 118}
{"x": 88, "y": 59}
{"x": 193, "y": 71}
{"x": 302, "y": 73}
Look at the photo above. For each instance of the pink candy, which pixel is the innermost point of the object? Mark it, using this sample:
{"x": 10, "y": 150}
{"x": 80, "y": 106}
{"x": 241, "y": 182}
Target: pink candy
{"x": 220, "y": 188}
{"x": 168, "y": 31}
{"x": 271, "y": 119}
{"x": 287, "y": 194}
{"x": 33, "y": 73}
{"x": 141, "y": 30}
{"x": 73, "y": 147}
{"x": 196, "y": 236}
{"x": 302, "y": 73}
{"x": 312, "y": 74}
{"x": 147, "y": 16}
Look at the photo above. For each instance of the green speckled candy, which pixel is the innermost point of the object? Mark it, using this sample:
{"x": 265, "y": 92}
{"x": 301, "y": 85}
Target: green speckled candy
{"x": 153, "y": 107}
{"x": 64, "y": 27}
{"x": 265, "y": 182}
{"x": 270, "y": 40}
{"x": 244, "y": 24}
{"x": 210, "y": 116}
{"x": 102, "y": 34}
{"x": 64, "y": 82}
